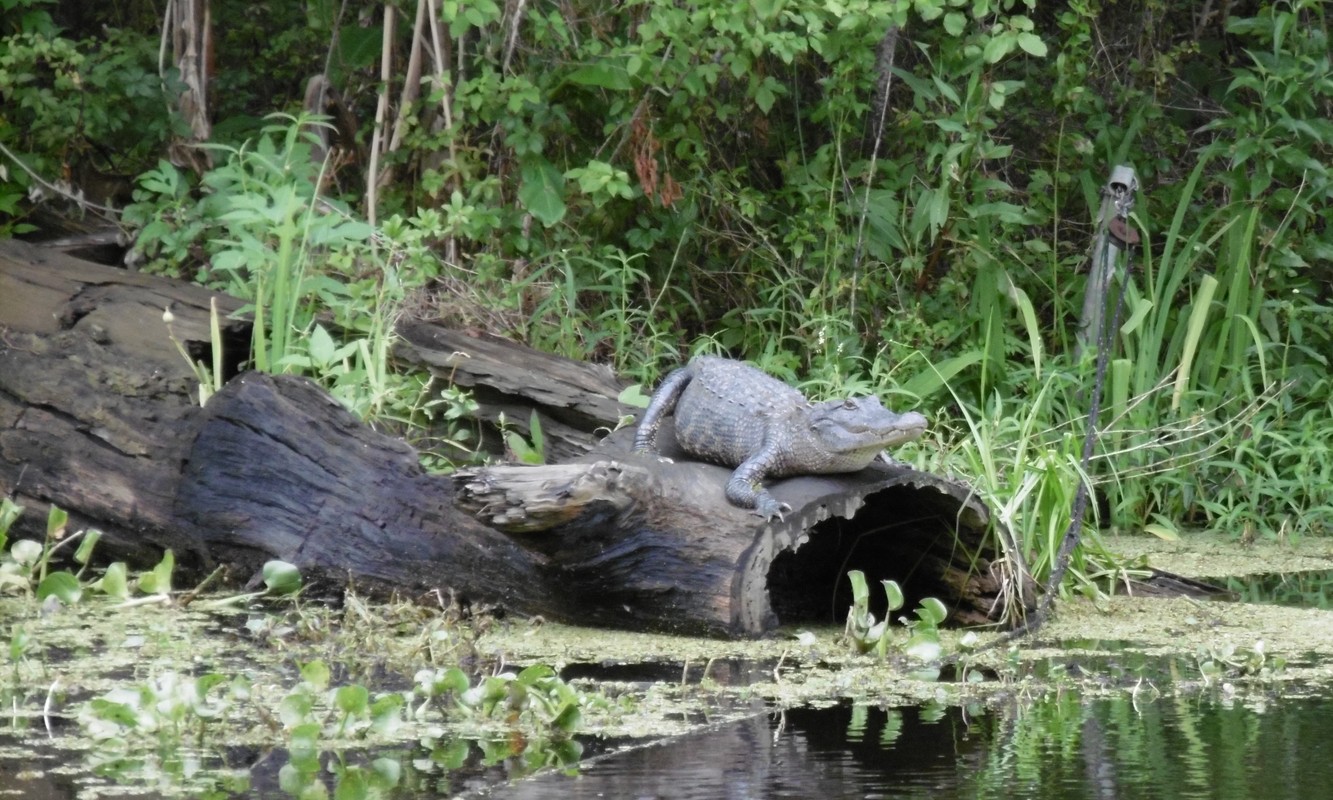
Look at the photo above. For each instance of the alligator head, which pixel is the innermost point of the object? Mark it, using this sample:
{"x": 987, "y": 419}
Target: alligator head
{"x": 862, "y": 425}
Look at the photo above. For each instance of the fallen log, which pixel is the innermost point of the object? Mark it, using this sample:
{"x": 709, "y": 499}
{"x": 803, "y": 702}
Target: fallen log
{"x": 656, "y": 542}
{"x": 96, "y": 415}
{"x": 278, "y": 469}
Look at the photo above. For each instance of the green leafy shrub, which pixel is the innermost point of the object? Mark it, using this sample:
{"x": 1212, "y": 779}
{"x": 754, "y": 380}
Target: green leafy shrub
{"x": 84, "y": 115}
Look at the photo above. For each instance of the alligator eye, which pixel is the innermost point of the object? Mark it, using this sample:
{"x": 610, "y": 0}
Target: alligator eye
{"x": 850, "y": 404}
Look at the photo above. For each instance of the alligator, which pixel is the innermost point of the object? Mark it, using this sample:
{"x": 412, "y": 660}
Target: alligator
{"x": 733, "y": 414}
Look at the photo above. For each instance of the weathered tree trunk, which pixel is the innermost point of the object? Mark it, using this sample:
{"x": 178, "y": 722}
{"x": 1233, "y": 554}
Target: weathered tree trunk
{"x": 280, "y": 470}
{"x": 96, "y": 402}
{"x": 96, "y": 415}
{"x": 192, "y": 49}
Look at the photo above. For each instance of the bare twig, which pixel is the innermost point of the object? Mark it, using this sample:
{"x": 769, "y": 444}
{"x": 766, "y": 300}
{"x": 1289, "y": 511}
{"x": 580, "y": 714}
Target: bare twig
{"x": 71, "y": 194}
{"x": 888, "y": 48}
{"x": 381, "y": 111}
{"x": 446, "y": 106}
{"x": 519, "y": 7}
{"x": 411, "y": 81}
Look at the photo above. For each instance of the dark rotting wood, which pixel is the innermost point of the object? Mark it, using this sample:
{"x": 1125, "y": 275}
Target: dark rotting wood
{"x": 280, "y": 470}
{"x": 575, "y": 401}
{"x": 95, "y": 397}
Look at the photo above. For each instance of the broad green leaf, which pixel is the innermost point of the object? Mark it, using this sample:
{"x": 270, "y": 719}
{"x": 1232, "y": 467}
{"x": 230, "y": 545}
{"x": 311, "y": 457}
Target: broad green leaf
{"x": 633, "y": 395}
{"x": 111, "y": 711}
{"x": 26, "y": 552}
{"x": 9, "y": 512}
{"x": 321, "y": 346}
{"x": 932, "y": 611}
{"x": 306, "y": 736}
{"x": 454, "y": 680}
{"x": 605, "y": 74}
{"x": 114, "y": 582}
{"x": 315, "y": 673}
{"x": 295, "y": 708}
{"x": 955, "y": 23}
{"x": 19, "y": 641}
{"x": 928, "y": 9}
{"x": 860, "y": 591}
{"x": 543, "y": 191}
{"x": 86, "y": 547}
{"x": 894, "y": 593}
{"x": 1032, "y": 44}
{"x": 530, "y": 675}
{"x": 764, "y": 98}
{"x": 353, "y": 699}
{"x": 939, "y": 209}
{"x": 999, "y": 46}
{"x": 767, "y": 93}
{"x": 158, "y": 580}
{"x": 281, "y": 577}
{"x": 62, "y": 585}
{"x": 568, "y": 719}
{"x": 56, "y": 520}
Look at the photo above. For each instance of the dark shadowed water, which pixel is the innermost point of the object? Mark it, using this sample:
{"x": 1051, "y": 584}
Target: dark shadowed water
{"x": 1059, "y": 747}
{"x": 1311, "y": 589}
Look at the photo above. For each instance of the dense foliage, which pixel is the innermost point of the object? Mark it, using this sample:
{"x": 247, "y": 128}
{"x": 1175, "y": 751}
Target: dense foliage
{"x": 636, "y": 181}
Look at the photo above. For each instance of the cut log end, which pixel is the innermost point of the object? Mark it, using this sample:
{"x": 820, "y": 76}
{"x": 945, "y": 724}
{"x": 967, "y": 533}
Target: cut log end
{"x": 523, "y": 500}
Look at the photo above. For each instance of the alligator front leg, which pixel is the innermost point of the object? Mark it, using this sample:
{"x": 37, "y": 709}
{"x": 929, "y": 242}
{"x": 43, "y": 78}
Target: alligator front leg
{"x": 746, "y": 490}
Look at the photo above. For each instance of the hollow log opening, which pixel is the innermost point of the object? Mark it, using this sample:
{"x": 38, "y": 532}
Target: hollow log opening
{"x": 899, "y": 534}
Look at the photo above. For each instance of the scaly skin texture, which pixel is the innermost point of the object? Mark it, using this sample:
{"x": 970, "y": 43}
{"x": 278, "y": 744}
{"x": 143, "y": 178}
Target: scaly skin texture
{"x": 732, "y": 414}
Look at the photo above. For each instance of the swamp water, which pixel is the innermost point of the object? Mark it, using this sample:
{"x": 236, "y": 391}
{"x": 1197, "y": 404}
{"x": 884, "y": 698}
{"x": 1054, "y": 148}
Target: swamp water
{"x": 1309, "y": 589}
{"x": 1060, "y": 747}
{"x": 1122, "y": 697}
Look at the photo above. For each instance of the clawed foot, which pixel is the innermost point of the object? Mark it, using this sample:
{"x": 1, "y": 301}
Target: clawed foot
{"x": 768, "y": 508}
{"x": 651, "y": 453}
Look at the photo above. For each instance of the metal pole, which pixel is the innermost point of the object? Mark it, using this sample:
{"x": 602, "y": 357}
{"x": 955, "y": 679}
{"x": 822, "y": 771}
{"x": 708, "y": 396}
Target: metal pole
{"x": 1112, "y": 237}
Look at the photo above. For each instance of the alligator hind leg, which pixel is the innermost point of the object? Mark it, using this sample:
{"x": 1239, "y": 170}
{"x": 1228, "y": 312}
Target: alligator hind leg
{"x": 663, "y": 403}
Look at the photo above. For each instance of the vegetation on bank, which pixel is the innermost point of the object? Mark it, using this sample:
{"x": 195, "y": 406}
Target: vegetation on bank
{"x": 636, "y": 182}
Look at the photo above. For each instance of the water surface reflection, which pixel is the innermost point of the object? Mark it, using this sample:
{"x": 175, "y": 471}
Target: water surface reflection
{"x": 1053, "y": 749}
